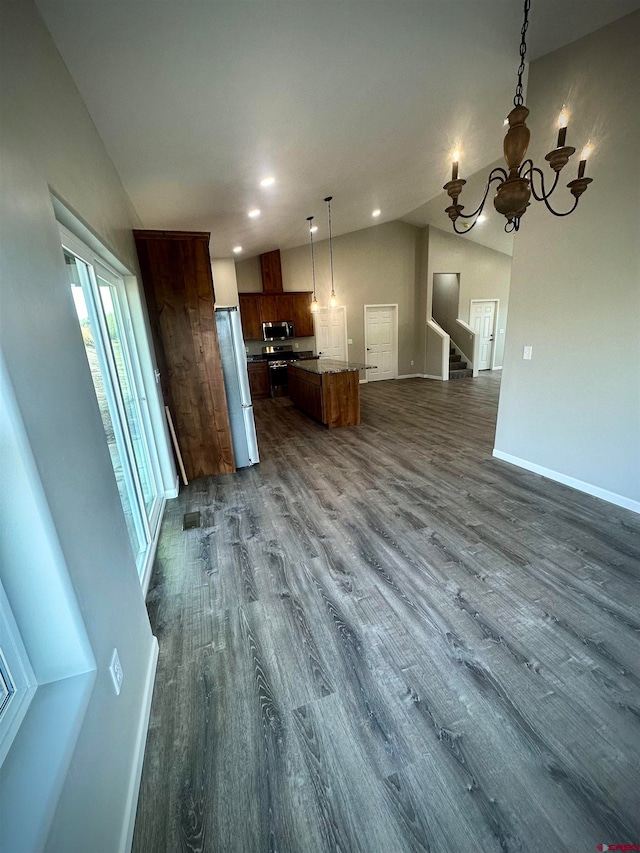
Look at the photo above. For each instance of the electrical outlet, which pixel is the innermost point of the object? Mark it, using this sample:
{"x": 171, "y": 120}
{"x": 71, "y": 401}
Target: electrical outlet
{"x": 115, "y": 668}
{"x": 350, "y": 341}
{"x": 527, "y": 352}
{"x": 296, "y": 345}
{"x": 411, "y": 362}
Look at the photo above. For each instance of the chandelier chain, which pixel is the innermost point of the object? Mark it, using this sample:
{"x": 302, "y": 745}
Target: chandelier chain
{"x": 518, "y": 100}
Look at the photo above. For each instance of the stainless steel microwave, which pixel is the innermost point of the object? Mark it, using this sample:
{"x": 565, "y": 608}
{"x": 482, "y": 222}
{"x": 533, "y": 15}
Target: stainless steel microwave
{"x": 280, "y": 330}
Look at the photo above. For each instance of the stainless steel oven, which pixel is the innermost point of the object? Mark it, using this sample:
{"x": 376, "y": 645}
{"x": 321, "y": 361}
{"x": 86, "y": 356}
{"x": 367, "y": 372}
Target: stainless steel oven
{"x": 280, "y": 330}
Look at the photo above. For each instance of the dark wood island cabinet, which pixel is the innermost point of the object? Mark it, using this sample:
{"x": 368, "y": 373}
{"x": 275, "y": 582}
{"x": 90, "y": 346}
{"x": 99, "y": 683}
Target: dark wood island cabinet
{"x": 327, "y": 390}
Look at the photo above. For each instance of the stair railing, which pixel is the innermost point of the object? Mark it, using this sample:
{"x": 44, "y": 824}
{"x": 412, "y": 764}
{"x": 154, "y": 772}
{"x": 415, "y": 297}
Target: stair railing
{"x": 468, "y": 342}
{"x": 438, "y": 346}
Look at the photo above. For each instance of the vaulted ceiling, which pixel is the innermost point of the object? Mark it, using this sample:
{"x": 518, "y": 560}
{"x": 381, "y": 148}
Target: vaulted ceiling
{"x": 198, "y": 100}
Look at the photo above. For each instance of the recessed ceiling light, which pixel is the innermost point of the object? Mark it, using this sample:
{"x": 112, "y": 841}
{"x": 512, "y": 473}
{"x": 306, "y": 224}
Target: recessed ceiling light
{"x": 254, "y": 213}
{"x": 482, "y": 218}
{"x": 268, "y": 182}
{"x": 313, "y": 229}
{"x": 237, "y": 249}
{"x": 376, "y": 213}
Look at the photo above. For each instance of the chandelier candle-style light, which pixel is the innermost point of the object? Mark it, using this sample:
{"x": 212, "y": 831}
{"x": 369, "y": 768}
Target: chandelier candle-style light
{"x": 333, "y": 299}
{"x": 516, "y": 186}
{"x": 314, "y": 304}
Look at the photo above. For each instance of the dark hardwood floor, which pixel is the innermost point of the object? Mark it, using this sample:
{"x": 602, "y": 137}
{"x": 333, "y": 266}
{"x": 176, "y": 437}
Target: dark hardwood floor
{"x": 382, "y": 639}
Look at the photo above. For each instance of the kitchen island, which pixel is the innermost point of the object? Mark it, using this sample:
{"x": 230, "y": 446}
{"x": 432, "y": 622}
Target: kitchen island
{"x": 327, "y": 390}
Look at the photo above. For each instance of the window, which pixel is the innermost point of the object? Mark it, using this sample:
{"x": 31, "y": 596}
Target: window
{"x": 101, "y": 306}
{"x": 17, "y": 681}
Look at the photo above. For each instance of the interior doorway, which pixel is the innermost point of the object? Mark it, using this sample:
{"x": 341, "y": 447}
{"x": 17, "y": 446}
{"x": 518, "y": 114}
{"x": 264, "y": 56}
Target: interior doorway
{"x": 482, "y": 319}
{"x": 381, "y": 341}
{"x": 331, "y": 332}
{"x": 446, "y": 300}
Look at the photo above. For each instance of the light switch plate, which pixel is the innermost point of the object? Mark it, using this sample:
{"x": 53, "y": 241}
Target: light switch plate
{"x": 527, "y": 352}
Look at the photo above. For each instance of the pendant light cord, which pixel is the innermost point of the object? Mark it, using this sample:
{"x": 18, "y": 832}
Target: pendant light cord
{"x": 313, "y": 263}
{"x": 328, "y": 200}
{"x": 518, "y": 100}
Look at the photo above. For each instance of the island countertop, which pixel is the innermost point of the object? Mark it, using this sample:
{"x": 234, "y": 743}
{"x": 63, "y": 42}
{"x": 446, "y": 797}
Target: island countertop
{"x": 328, "y": 365}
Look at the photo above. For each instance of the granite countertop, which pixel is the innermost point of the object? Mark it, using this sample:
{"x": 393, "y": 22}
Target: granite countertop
{"x": 330, "y": 365}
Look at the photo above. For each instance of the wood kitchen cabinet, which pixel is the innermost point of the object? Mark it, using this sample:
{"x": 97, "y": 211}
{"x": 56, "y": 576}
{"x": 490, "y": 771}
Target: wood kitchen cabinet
{"x": 326, "y": 391}
{"x": 285, "y": 308}
{"x": 178, "y": 287}
{"x": 301, "y": 315}
{"x": 259, "y": 308}
{"x": 269, "y": 307}
{"x": 259, "y": 380}
{"x": 251, "y": 315}
{"x": 271, "y": 272}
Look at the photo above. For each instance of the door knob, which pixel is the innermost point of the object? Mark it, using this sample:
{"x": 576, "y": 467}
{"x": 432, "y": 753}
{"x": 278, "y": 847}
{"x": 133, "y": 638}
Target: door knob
{"x": 368, "y": 350}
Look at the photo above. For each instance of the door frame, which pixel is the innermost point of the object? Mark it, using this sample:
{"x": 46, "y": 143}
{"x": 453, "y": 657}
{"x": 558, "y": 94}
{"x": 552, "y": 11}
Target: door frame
{"x": 343, "y": 309}
{"x": 495, "y": 325}
{"x": 98, "y": 266}
{"x": 394, "y": 325}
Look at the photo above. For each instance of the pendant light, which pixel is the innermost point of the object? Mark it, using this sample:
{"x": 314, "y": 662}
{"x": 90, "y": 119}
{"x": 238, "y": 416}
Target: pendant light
{"x": 314, "y": 304}
{"x": 516, "y": 187}
{"x": 333, "y": 300}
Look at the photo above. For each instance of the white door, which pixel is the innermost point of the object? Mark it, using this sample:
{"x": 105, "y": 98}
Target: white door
{"x": 483, "y": 318}
{"x": 380, "y": 342}
{"x": 331, "y": 333}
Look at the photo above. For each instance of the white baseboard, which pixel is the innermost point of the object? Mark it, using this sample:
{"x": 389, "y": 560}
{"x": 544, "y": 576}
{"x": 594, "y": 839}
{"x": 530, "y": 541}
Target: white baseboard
{"x": 410, "y": 376}
{"x": 174, "y": 492}
{"x": 572, "y": 482}
{"x": 128, "y": 824}
{"x": 431, "y": 376}
{"x": 148, "y": 566}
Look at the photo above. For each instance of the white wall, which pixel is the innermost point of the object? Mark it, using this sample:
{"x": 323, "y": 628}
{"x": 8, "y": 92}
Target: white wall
{"x": 574, "y": 409}
{"x": 225, "y": 285}
{"x": 249, "y": 276}
{"x": 484, "y": 274}
{"x": 49, "y": 141}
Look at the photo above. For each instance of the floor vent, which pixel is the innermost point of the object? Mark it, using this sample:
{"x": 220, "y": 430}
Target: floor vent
{"x": 191, "y": 520}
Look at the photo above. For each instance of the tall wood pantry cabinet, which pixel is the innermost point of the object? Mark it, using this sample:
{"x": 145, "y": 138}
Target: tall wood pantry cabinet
{"x": 178, "y": 286}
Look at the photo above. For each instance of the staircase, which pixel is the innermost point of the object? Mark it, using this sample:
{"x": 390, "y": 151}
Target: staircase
{"x": 457, "y": 367}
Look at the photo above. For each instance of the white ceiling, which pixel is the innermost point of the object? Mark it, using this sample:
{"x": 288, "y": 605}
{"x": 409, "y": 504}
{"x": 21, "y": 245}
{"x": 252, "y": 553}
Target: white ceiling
{"x": 197, "y": 100}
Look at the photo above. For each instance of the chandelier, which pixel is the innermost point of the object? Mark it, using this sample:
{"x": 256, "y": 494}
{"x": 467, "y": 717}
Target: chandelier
{"x": 516, "y": 186}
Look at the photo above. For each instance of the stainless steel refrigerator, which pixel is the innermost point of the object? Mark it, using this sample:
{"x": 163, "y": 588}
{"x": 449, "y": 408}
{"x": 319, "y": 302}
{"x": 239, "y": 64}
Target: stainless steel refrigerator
{"x": 236, "y": 384}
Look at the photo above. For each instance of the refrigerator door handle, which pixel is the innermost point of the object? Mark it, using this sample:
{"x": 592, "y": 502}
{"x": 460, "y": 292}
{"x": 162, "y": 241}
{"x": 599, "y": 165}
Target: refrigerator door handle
{"x": 249, "y": 406}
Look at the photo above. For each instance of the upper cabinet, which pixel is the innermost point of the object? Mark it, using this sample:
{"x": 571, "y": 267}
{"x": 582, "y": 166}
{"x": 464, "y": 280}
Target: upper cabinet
{"x": 251, "y": 315}
{"x": 273, "y": 304}
{"x": 259, "y": 308}
{"x": 271, "y": 272}
{"x": 302, "y": 316}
